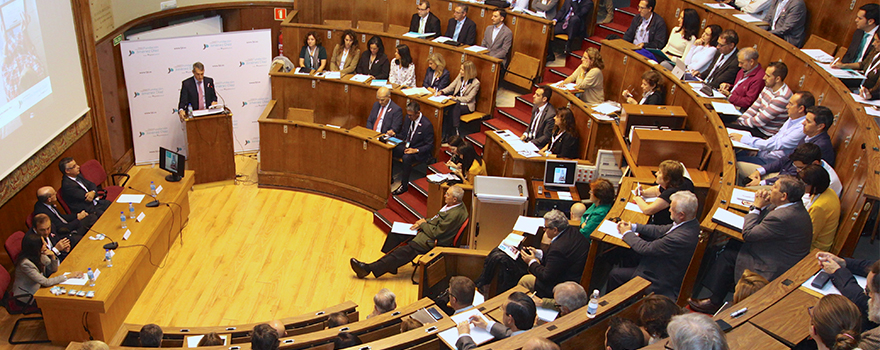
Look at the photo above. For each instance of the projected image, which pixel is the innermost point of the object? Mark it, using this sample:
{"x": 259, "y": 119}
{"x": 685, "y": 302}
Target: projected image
{"x": 25, "y": 76}
{"x": 559, "y": 175}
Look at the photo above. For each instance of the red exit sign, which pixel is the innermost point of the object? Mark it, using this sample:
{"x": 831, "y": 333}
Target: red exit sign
{"x": 280, "y": 14}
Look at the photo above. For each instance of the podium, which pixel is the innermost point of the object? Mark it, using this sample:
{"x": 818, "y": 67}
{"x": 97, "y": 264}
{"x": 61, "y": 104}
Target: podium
{"x": 211, "y": 149}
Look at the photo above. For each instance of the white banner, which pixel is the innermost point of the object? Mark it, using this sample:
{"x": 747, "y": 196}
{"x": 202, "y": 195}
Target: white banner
{"x": 154, "y": 70}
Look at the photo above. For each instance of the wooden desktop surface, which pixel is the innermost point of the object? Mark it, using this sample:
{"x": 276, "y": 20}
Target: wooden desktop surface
{"x": 788, "y": 318}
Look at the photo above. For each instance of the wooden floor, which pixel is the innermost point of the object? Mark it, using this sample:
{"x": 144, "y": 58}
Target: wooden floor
{"x": 252, "y": 255}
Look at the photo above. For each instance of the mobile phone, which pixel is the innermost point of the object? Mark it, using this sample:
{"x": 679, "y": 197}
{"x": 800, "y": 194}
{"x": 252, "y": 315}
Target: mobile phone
{"x": 821, "y": 280}
{"x": 434, "y": 313}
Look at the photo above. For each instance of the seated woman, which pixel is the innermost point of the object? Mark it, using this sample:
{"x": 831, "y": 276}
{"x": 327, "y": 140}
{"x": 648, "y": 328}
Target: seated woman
{"x": 312, "y": 56}
{"x": 654, "y": 315}
{"x": 652, "y": 90}
{"x": 588, "y": 77}
{"x": 373, "y": 62}
{"x": 602, "y": 194}
{"x": 748, "y": 284}
{"x": 835, "y": 323}
{"x": 683, "y": 36}
{"x": 699, "y": 56}
{"x": 35, "y": 264}
{"x": 565, "y": 141}
{"x": 454, "y": 143}
{"x": 437, "y": 77}
{"x": 670, "y": 179}
{"x": 472, "y": 162}
{"x": 403, "y": 69}
{"x": 464, "y": 90}
{"x": 345, "y": 54}
{"x": 823, "y": 205}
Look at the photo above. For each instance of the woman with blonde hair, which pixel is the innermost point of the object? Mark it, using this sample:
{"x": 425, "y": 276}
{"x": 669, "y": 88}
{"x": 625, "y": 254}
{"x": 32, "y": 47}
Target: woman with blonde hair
{"x": 464, "y": 90}
{"x": 437, "y": 76}
{"x": 588, "y": 77}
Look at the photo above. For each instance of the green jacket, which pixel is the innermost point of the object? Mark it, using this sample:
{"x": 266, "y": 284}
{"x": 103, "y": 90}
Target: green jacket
{"x": 593, "y": 218}
{"x": 442, "y": 228}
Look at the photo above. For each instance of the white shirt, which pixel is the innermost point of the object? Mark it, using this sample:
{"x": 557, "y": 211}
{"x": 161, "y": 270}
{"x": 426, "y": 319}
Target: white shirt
{"x": 496, "y": 30}
{"x": 642, "y": 32}
{"x": 778, "y": 12}
{"x": 870, "y": 34}
{"x": 789, "y": 136}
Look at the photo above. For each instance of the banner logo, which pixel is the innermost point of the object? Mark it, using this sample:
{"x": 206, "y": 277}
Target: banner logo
{"x": 130, "y": 52}
{"x": 141, "y": 134}
{"x": 136, "y": 94}
{"x": 243, "y": 103}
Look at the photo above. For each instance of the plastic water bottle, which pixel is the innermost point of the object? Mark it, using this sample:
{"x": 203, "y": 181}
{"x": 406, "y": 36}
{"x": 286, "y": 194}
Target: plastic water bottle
{"x": 189, "y": 110}
{"x": 122, "y": 217}
{"x": 593, "y": 306}
{"x": 108, "y": 256}
{"x": 91, "y": 277}
{"x": 130, "y": 210}
{"x": 153, "y": 189}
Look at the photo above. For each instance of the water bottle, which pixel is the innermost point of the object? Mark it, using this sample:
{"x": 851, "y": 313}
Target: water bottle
{"x": 153, "y": 189}
{"x": 122, "y": 217}
{"x": 130, "y": 210}
{"x": 91, "y": 277}
{"x": 108, "y": 256}
{"x": 189, "y": 110}
{"x": 593, "y": 306}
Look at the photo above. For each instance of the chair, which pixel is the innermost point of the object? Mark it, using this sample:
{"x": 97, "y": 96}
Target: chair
{"x": 5, "y": 283}
{"x": 374, "y": 26}
{"x": 817, "y": 42}
{"x": 29, "y": 220}
{"x": 93, "y": 171}
{"x": 415, "y": 261}
{"x": 13, "y": 245}
{"x": 63, "y": 204}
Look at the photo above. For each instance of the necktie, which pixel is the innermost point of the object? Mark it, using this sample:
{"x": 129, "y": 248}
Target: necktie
{"x": 412, "y": 130}
{"x": 422, "y": 25}
{"x": 862, "y": 45}
{"x": 534, "y": 124}
{"x": 201, "y": 95}
{"x": 380, "y": 118}
{"x": 52, "y": 208}
{"x": 565, "y": 23}
{"x": 457, "y": 30}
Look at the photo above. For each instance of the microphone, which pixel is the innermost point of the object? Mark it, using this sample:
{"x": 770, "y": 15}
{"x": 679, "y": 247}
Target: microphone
{"x": 111, "y": 245}
{"x": 153, "y": 204}
{"x": 520, "y": 190}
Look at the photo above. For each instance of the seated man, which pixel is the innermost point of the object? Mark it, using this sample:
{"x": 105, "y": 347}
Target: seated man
{"x": 567, "y": 297}
{"x": 59, "y": 244}
{"x": 498, "y": 38}
{"x": 867, "y": 20}
{"x": 150, "y": 336}
{"x": 384, "y": 301}
{"x": 695, "y": 332}
{"x": 562, "y": 257}
{"x": 80, "y": 194}
{"x": 461, "y": 294}
{"x": 264, "y": 337}
{"x": 756, "y": 8}
{"x": 805, "y": 154}
{"x": 749, "y": 81}
{"x": 336, "y": 319}
{"x": 777, "y": 233}
{"x": 64, "y": 224}
{"x": 418, "y": 143}
{"x": 519, "y": 316}
{"x": 816, "y": 124}
{"x": 665, "y": 250}
{"x": 571, "y": 19}
{"x": 767, "y": 114}
{"x": 440, "y": 229}
{"x": 279, "y": 328}
{"x": 540, "y": 343}
{"x": 424, "y": 21}
{"x": 723, "y": 68}
{"x": 788, "y": 19}
{"x": 648, "y": 29}
{"x": 624, "y": 334}
{"x": 461, "y": 28}
{"x": 386, "y": 116}
{"x": 784, "y": 141}
{"x": 842, "y": 271}
{"x": 540, "y": 128}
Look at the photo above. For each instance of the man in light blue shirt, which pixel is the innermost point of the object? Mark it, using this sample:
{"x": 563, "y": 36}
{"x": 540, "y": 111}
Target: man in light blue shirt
{"x": 780, "y": 145}
{"x": 461, "y": 28}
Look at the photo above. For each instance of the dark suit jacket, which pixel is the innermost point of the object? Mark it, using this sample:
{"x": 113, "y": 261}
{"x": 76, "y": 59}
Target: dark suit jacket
{"x": 724, "y": 74}
{"x": 381, "y": 67}
{"x": 431, "y": 26}
{"x": 468, "y": 34}
{"x": 657, "y": 98}
{"x": 499, "y": 331}
{"x": 439, "y": 84}
{"x": 189, "y": 93}
{"x": 54, "y": 238}
{"x": 393, "y": 117}
{"x": 544, "y": 129}
{"x": 791, "y": 24}
{"x": 75, "y": 196}
{"x": 664, "y": 256}
{"x": 853, "y": 51}
{"x": 774, "y": 240}
{"x": 657, "y": 35}
{"x": 72, "y": 224}
{"x": 844, "y": 281}
{"x": 563, "y": 261}
{"x": 582, "y": 9}
{"x": 423, "y": 139}
{"x": 568, "y": 146}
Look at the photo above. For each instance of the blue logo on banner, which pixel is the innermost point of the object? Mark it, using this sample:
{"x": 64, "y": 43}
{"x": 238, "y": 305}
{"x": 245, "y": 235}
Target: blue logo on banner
{"x": 136, "y": 94}
{"x": 130, "y": 52}
{"x": 170, "y": 70}
{"x": 141, "y": 134}
{"x": 247, "y": 142}
{"x": 179, "y": 149}
{"x": 243, "y": 103}
{"x": 205, "y": 47}
{"x": 240, "y": 63}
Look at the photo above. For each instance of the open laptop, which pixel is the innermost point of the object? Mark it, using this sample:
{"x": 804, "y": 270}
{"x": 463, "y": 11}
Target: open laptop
{"x": 681, "y": 73}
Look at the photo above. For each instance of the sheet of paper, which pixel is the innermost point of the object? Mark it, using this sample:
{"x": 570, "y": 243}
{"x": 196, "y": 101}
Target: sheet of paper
{"x": 478, "y": 298}
{"x": 718, "y": 5}
{"x": 415, "y": 91}
{"x": 76, "y": 281}
{"x": 610, "y": 228}
{"x": 742, "y": 197}
{"x": 479, "y": 335}
{"x": 633, "y": 207}
{"x": 548, "y": 315}
{"x": 417, "y": 35}
{"x": 476, "y": 48}
{"x": 747, "y": 18}
{"x": 378, "y": 82}
{"x": 438, "y": 99}
{"x": 528, "y": 224}
{"x": 403, "y": 228}
{"x": 725, "y": 108}
{"x": 606, "y": 108}
{"x": 541, "y": 14}
{"x": 861, "y": 100}
{"x": 818, "y": 55}
{"x": 872, "y": 111}
{"x": 724, "y": 216}
{"x": 130, "y": 198}
{"x": 193, "y": 341}
{"x": 738, "y": 144}
{"x": 441, "y": 39}
{"x": 332, "y": 75}
{"x": 829, "y": 287}
{"x": 360, "y": 78}
{"x": 840, "y": 73}
{"x": 564, "y": 195}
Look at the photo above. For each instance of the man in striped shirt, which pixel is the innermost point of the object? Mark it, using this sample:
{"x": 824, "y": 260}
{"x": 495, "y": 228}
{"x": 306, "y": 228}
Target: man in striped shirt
{"x": 764, "y": 118}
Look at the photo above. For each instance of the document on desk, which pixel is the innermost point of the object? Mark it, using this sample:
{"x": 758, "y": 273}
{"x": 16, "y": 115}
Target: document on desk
{"x": 829, "y": 287}
{"x": 841, "y": 73}
{"x": 80, "y": 281}
{"x": 818, "y": 55}
{"x": 360, "y": 78}
{"x": 564, "y": 195}
{"x": 715, "y": 93}
{"x": 609, "y": 227}
{"x": 378, "y": 82}
{"x": 725, "y": 108}
{"x": 872, "y": 111}
{"x": 747, "y": 18}
{"x": 441, "y": 39}
{"x": 861, "y": 100}
{"x": 738, "y": 144}
{"x": 332, "y": 75}
{"x": 438, "y": 99}
{"x": 403, "y": 228}
{"x": 607, "y": 107}
{"x": 479, "y": 335}
{"x": 476, "y": 49}
{"x": 547, "y": 315}
{"x": 415, "y": 91}
{"x": 193, "y": 341}
{"x": 633, "y": 207}
{"x": 728, "y": 219}
{"x": 742, "y": 197}
{"x": 528, "y": 224}
{"x": 718, "y": 5}
{"x": 417, "y": 35}
{"x": 130, "y": 198}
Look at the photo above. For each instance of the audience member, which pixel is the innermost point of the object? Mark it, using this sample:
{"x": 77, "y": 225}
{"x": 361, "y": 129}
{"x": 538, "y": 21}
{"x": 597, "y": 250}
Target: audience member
{"x": 440, "y": 228}
{"x": 567, "y": 297}
{"x": 409, "y": 323}
{"x": 540, "y": 128}
{"x": 749, "y": 81}
{"x": 437, "y": 76}
{"x": 835, "y": 323}
{"x": 822, "y": 204}
{"x": 374, "y": 62}
{"x": 756, "y": 8}
{"x": 59, "y": 245}
{"x": 648, "y": 29}
{"x": 870, "y": 67}
{"x": 425, "y": 22}
{"x": 784, "y": 141}
{"x": 65, "y": 224}
{"x": 453, "y": 144}
{"x": 32, "y": 270}
{"x": 346, "y": 340}
{"x": 540, "y": 343}
{"x": 564, "y": 141}
{"x": 571, "y": 20}
{"x": 95, "y": 345}
{"x": 655, "y": 312}
{"x": 623, "y": 334}
{"x": 747, "y": 285}
{"x": 461, "y": 294}
{"x": 211, "y": 339}
{"x": 264, "y": 337}
{"x": 665, "y": 250}
{"x": 652, "y": 90}
{"x": 670, "y": 179}
{"x": 788, "y": 19}
{"x": 776, "y": 235}
{"x": 576, "y": 211}
{"x": 767, "y": 115}
{"x": 519, "y": 316}
{"x": 842, "y": 271}
{"x": 562, "y": 257}
{"x": 79, "y": 193}
{"x": 816, "y": 124}
{"x": 694, "y": 331}
{"x": 871, "y": 337}
{"x": 463, "y": 90}
{"x": 602, "y": 194}
{"x": 417, "y": 145}
{"x": 312, "y": 56}
{"x": 472, "y": 164}
{"x": 805, "y": 154}
{"x": 867, "y": 19}
{"x": 384, "y": 301}
{"x": 279, "y": 328}
{"x": 337, "y": 319}
{"x": 699, "y": 56}
{"x": 498, "y": 38}
{"x": 684, "y": 35}
{"x": 403, "y": 69}
{"x": 150, "y": 336}
{"x": 386, "y": 116}
{"x": 589, "y": 78}
{"x": 461, "y": 28}
{"x": 724, "y": 66}
{"x": 547, "y": 7}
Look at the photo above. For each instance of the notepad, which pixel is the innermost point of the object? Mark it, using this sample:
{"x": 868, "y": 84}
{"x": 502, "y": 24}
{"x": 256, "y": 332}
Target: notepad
{"x": 728, "y": 219}
{"x": 818, "y": 55}
{"x": 415, "y": 91}
{"x": 608, "y": 227}
{"x": 479, "y": 335}
{"x": 742, "y": 197}
{"x": 403, "y": 229}
{"x": 528, "y": 224}
{"x": 747, "y": 18}
{"x": 725, "y": 108}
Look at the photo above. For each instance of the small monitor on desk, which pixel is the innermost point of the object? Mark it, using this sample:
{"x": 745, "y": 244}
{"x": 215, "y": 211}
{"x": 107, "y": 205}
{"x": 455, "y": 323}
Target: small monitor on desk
{"x": 172, "y": 162}
{"x": 559, "y": 175}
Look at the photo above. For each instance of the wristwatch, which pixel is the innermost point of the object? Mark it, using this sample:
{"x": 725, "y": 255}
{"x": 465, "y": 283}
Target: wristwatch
{"x": 753, "y": 207}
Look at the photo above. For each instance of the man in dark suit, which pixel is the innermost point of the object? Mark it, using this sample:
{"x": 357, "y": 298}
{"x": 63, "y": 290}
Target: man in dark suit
{"x": 64, "y": 223}
{"x": 777, "y": 233}
{"x": 562, "y": 257}
{"x": 867, "y": 20}
{"x": 665, "y": 250}
{"x": 788, "y": 19}
{"x": 724, "y": 65}
{"x": 59, "y": 244}
{"x": 80, "y": 194}
{"x": 386, "y": 116}
{"x": 197, "y": 91}
{"x": 418, "y": 143}
{"x": 424, "y": 21}
{"x": 570, "y": 20}
{"x": 461, "y": 28}
{"x": 540, "y": 129}
{"x": 439, "y": 230}
{"x": 519, "y": 316}
{"x": 648, "y": 29}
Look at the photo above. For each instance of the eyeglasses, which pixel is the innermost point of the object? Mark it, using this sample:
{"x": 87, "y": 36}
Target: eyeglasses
{"x": 667, "y": 346}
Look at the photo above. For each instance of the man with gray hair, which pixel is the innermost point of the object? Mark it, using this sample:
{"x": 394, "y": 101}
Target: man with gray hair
{"x": 695, "y": 331}
{"x": 561, "y": 258}
{"x": 384, "y": 301}
{"x": 196, "y": 91}
{"x": 567, "y": 297}
{"x": 665, "y": 250}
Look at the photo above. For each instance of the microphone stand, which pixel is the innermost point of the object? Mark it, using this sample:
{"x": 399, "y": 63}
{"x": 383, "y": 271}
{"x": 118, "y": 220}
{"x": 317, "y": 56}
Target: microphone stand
{"x": 153, "y": 204}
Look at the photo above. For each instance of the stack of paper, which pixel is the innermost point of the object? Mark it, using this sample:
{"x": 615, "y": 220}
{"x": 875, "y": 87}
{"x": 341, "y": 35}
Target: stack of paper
{"x": 818, "y": 55}
{"x": 130, "y": 198}
{"x": 415, "y": 91}
{"x": 438, "y": 99}
{"x": 332, "y": 75}
{"x": 742, "y": 197}
{"x": 841, "y": 73}
{"x": 403, "y": 229}
{"x": 440, "y": 178}
{"x": 747, "y": 18}
{"x": 729, "y": 219}
{"x": 360, "y": 78}
{"x": 378, "y": 82}
{"x": 861, "y": 100}
{"x": 441, "y": 39}
{"x": 607, "y": 107}
{"x": 725, "y": 108}
{"x": 528, "y": 225}
{"x": 417, "y": 35}
{"x": 476, "y": 49}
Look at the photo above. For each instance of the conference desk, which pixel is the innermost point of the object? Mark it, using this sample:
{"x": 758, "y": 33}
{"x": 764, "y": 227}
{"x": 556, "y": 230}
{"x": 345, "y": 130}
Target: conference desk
{"x": 118, "y": 287}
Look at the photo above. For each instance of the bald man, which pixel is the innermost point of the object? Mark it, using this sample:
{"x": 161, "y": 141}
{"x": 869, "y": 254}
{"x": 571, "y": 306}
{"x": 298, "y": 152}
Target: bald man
{"x": 279, "y": 328}
{"x": 577, "y": 210}
{"x": 65, "y": 224}
{"x": 386, "y": 116}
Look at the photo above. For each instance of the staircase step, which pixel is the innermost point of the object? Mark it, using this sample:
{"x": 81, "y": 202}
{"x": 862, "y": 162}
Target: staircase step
{"x": 603, "y": 32}
{"x": 505, "y": 123}
{"x": 524, "y": 102}
{"x": 594, "y": 41}
{"x": 439, "y": 168}
{"x": 550, "y": 77}
{"x": 479, "y": 140}
{"x": 627, "y": 11}
{"x": 413, "y": 201}
{"x": 617, "y": 28}
{"x": 401, "y": 210}
{"x": 384, "y": 218}
{"x": 562, "y": 71}
{"x": 420, "y": 185}
{"x": 518, "y": 116}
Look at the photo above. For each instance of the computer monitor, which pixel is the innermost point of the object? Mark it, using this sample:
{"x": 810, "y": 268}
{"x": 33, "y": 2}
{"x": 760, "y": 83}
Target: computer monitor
{"x": 559, "y": 175}
{"x": 172, "y": 162}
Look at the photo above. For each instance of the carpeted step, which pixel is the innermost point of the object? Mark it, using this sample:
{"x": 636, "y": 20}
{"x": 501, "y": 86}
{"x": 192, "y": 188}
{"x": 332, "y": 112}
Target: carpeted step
{"x": 505, "y": 123}
{"x": 414, "y": 202}
{"x": 518, "y": 116}
{"x": 420, "y": 185}
{"x": 385, "y": 217}
{"x": 401, "y": 210}
{"x": 479, "y": 140}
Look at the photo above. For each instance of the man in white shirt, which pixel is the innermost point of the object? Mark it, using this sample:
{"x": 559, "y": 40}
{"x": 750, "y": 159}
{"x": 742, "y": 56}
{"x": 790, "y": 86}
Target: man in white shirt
{"x": 780, "y": 145}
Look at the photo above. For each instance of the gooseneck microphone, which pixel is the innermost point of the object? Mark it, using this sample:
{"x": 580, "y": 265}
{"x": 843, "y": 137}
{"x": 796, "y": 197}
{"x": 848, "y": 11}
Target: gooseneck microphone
{"x": 153, "y": 204}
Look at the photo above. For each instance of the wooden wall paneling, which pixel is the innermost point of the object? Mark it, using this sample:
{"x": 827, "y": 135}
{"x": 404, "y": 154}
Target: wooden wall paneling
{"x": 667, "y": 10}
{"x": 531, "y": 36}
{"x": 400, "y": 12}
{"x": 584, "y": 125}
{"x": 613, "y": 82}
{"x": 369, "y": 10}
{"x": 309, "y": 11}
{"x": 115, "y": 100}
{"x": 849, "y": 142}
{"x": 494, "y": 155}
{"x": 336, "y": 109}
{"x": 337, "y": 10}
{"x": 834, "y": 28}
{"x": 299, "y": 94}
{"x": 842, "y": 133}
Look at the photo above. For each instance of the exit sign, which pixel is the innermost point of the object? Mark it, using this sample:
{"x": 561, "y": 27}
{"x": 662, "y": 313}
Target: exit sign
{"x": 280, "y": 14}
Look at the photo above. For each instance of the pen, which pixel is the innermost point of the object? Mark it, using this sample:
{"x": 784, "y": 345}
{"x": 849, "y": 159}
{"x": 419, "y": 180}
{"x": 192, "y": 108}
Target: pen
{"x": 835, "y": 61}
{"x": 720, "y": 309}
{"x": 739, "y": 312}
